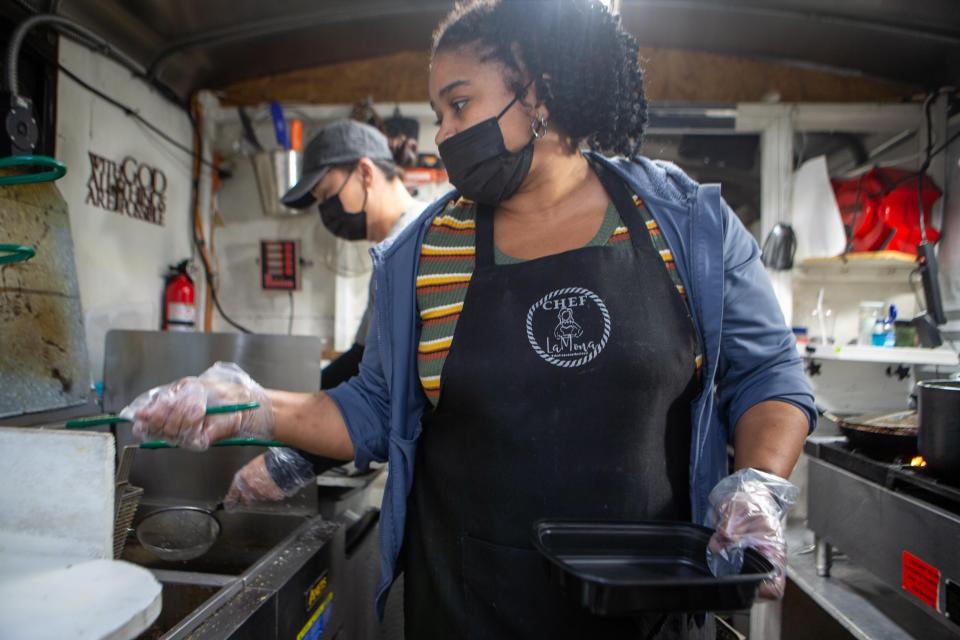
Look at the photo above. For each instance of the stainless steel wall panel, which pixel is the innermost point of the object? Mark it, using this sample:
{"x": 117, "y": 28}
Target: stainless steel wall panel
{"x": 136, "y": 361}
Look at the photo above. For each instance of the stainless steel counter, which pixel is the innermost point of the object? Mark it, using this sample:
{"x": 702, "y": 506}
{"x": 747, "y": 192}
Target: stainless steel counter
{"x": 268, "y": 600}
{"x": 865, "y": 607}
{"x": 256, "y": 581}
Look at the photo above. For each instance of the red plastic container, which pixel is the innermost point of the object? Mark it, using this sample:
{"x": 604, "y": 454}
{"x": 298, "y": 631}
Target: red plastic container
{"x": 880, "y": 212}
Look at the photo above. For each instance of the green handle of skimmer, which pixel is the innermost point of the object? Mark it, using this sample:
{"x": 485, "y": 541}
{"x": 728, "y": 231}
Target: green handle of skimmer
{"x": 229, "y": 442}
{"x": 10, "y": 253}
{"x": 93, "y": 421}
{"x": 54, "y": 170}
{"x": 99, "y": 421}
{"x": 230, "y": 408}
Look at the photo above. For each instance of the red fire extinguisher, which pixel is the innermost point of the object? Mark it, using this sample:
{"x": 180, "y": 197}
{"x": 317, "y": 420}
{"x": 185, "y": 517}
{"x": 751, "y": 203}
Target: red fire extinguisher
{"x": 179, "y": 300}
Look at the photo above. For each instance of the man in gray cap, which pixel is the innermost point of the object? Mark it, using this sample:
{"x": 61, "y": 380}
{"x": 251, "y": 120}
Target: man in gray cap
{"x": 349, "y": 172}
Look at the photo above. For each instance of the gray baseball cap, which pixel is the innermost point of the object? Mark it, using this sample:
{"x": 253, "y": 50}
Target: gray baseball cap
{"x": 340, "y": 142}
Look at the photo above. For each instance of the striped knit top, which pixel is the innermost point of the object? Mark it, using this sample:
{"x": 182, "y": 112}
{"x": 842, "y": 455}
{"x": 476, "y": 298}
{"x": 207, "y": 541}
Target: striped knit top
{"x": 447, "y": 260}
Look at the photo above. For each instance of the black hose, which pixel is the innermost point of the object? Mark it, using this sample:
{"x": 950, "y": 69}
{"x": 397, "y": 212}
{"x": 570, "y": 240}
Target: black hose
{"x": 248, "y": 131}
{"x": 130, "y": 112}
{"x": 86, "y": 36}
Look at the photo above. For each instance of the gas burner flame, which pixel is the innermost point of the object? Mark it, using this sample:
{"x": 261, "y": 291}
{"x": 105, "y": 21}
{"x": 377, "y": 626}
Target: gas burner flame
{"x": 918, "y": 461}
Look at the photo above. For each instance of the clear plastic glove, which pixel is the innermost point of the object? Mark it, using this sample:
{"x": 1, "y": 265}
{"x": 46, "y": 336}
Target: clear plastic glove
{"x": 177, "y": 412}
{"x": 271, "y": 476}
{"x": 746, "y": 510}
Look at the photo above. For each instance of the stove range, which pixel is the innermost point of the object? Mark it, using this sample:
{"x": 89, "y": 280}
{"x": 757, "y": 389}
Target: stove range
{"x": 895, "y": 520}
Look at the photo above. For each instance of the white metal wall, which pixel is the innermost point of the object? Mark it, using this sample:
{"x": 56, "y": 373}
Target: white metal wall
{"x": 120, "y": 260}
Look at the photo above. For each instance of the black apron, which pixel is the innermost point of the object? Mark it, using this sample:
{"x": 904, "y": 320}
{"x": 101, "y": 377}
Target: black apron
{"x": 566, "y": 395}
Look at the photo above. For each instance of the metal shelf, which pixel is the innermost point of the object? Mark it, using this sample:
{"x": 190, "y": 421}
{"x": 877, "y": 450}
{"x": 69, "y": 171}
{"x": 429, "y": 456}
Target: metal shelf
{"x": 853, "y": 267}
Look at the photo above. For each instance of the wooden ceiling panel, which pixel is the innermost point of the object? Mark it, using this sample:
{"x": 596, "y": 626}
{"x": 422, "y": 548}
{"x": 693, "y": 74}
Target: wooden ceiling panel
{"x": 672, "y": 75}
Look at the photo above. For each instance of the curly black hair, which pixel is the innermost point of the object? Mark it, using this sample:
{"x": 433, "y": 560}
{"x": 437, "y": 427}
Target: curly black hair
{"x": 586, "y": 67}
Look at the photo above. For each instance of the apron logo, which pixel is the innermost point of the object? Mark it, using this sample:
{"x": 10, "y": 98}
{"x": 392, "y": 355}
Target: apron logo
{"x": 568, "y": 327}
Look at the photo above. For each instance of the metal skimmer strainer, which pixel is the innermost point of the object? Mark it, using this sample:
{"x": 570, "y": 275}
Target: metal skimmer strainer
{"x": 179, "y": 533}
{"x": 175, "y": 533}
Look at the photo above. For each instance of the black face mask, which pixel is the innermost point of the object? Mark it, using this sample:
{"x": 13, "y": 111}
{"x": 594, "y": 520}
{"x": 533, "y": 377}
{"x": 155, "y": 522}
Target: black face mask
{"x": 349, "y": 226}
{"x": 479, "y": 164}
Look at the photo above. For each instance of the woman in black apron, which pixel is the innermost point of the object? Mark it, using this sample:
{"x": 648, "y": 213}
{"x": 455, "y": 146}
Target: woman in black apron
{"x": 586, "y": 413}
{"x": 565, "y": 387}
{"x": 565, "y": 393}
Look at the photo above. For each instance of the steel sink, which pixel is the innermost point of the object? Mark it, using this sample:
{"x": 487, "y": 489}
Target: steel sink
{"x": 245, "y": 537}
{"x": 182, "y": 596}
{"x": 262, "y": 564}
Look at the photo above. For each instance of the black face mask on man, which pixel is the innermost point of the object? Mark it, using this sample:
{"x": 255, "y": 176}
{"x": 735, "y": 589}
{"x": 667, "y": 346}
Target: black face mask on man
{"x": 349, "y": 226}
{"x": 479, "y": 164}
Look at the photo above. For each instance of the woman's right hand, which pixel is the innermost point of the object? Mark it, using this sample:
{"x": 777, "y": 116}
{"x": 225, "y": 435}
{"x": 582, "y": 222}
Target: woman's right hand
{"x": 177, "y": 412}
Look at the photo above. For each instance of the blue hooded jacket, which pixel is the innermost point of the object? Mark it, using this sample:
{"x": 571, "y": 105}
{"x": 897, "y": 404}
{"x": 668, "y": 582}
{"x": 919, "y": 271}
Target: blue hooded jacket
{"x": 750, "y": 355}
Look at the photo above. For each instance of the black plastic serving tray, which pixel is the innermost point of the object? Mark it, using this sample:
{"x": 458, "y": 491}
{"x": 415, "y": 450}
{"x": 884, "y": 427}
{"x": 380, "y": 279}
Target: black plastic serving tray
{"x": 621, "y": 569}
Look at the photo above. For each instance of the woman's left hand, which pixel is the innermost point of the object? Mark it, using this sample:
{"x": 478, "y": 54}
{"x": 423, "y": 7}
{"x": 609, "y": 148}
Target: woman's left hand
{"x": 746, "y": 511}
{"x": 252, "y": 483}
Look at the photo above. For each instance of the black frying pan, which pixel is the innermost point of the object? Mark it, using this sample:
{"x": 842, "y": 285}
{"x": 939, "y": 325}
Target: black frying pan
{"x": 889, "y": 434}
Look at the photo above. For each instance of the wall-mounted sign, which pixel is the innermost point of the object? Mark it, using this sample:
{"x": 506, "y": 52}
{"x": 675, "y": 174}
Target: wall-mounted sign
{"x": 129, "y": 187}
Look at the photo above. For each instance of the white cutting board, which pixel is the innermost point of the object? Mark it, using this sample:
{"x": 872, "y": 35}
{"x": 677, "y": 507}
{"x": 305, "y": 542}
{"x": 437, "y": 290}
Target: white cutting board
{"x": 56, "y": 492}
{"x": 44, "y": 598}
{"x": 57, "y": 576}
